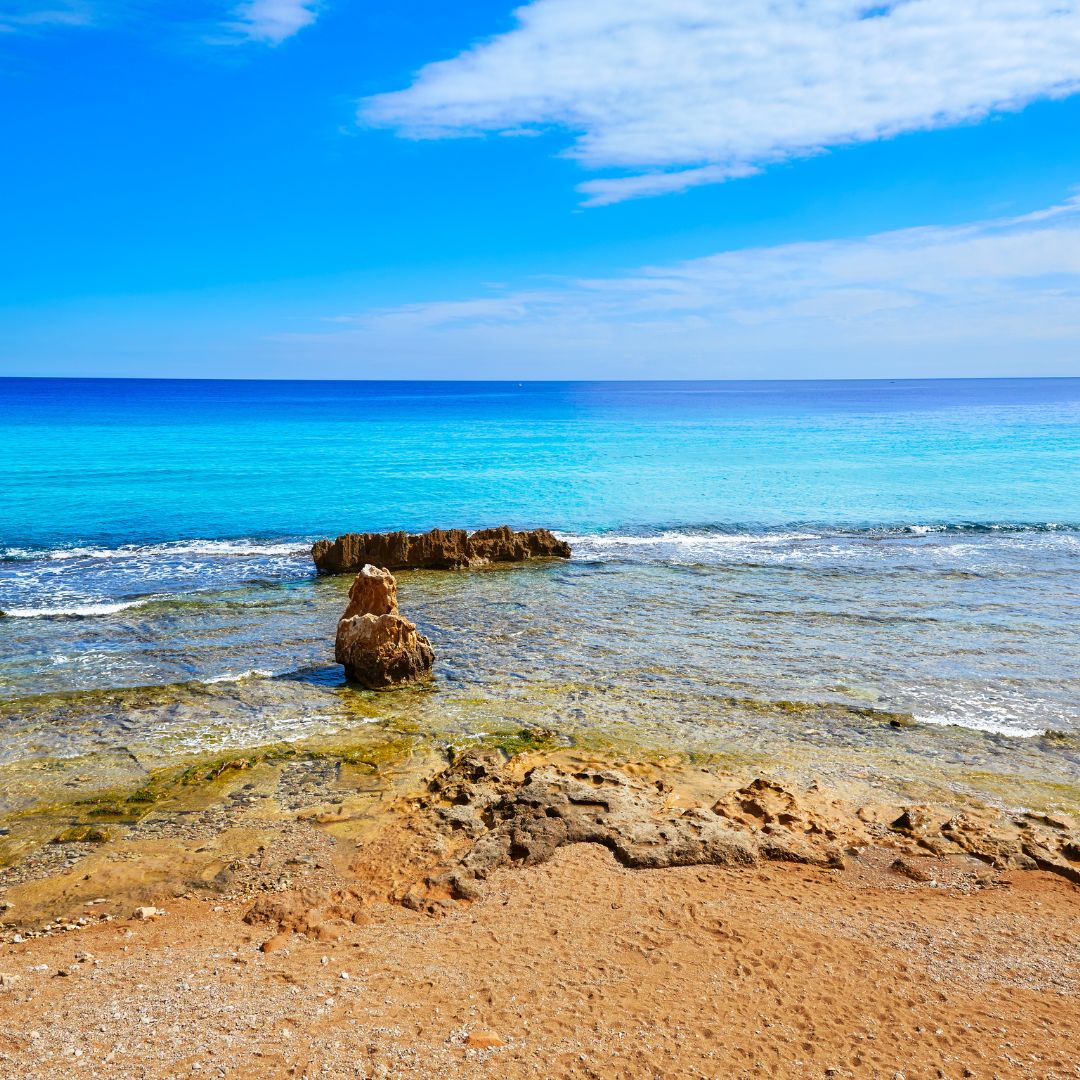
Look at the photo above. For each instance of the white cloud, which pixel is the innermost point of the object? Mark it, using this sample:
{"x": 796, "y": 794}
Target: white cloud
{"x": 684, "y": 92}
{"x": 999, "y": 295}
{"x": 272, "y": 21}
{"x": 22, "y": 16}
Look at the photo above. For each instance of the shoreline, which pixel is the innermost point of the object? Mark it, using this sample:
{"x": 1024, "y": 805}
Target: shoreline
{"x": 442, "y": 892}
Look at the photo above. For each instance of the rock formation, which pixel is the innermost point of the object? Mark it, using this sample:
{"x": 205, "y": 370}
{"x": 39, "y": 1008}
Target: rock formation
{"x": 440, "y": 549}
{"x": 379, "y": 647}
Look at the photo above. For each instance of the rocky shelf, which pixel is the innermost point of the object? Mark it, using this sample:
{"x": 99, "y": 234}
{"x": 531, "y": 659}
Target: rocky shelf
{"x": 440, "y": 549}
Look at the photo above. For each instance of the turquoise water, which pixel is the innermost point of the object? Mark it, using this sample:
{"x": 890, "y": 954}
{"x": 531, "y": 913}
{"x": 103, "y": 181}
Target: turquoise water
{"x": 859, "y": 549}
{"x": 112, "y": 462}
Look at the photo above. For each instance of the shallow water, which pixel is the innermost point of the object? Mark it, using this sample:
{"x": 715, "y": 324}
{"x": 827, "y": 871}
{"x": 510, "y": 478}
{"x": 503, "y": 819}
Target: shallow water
{"x": 871, "y": 552}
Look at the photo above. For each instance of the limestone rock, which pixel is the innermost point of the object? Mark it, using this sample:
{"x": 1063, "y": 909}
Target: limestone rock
{"x": 440, "y": 549}
{"x": 381, "y": 651}
{"x": 378, "y": 647}
{"x": 374, "y": 592}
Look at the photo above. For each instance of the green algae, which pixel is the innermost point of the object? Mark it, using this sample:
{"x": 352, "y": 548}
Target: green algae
{"x": 83, "y": 834}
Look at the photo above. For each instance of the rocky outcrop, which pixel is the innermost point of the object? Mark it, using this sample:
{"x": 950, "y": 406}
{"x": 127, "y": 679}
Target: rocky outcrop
{"x": 378, "y": 647}
{"x": 482, "y": 814}
{"x": 440, "y": 549}
{"x": 505, "y": 821}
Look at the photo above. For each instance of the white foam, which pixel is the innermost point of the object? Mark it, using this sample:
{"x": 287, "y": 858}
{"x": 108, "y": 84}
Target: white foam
{"x": 251, "y": 673}
{"x": 682, "y": 539}
{"x": 212, "y": 548}
{"x": 75, "y": 611}
{"x": 980, "y": 723}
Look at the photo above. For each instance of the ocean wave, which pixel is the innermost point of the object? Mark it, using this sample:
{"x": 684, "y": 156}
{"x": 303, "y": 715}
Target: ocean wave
{"x": 969, "y": 547}
{"x": 736, "y": 533}
{"x": 239, "y": 548}
{"x": 79, "y": 610}
{"x": 1012, "y": 728}
{"x": 718, "y": 533}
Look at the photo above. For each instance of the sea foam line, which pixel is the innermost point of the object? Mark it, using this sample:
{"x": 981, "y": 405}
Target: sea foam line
{"x": 76, "y": 610}
{"x": 219, "y": 548}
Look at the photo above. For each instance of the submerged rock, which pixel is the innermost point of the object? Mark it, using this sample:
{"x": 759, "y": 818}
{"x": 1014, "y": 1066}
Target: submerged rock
{"x": 440, "y": 549}
{"x": 378, "y": 647}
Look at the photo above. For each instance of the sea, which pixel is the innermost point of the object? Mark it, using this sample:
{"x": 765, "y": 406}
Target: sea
{"x": 877, "y": 580}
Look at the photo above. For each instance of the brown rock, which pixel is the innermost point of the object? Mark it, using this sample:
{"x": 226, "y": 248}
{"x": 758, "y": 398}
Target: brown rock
{"x": 914, "y": 821}
{"x": 273, "y": 944}
{"x": 910, "y": 871}
{"x": 374, "y": 592}
{"x": 378, "y": 647}
{"x": 440, "y": 549}
{"x": 383, "y": 651}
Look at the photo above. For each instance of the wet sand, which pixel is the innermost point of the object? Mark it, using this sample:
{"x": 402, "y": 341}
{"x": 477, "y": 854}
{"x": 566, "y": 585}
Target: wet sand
{"x": 320, "y": 919}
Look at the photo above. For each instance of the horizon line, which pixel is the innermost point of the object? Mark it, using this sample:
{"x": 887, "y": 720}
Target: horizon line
{"x": 535, "y": 382}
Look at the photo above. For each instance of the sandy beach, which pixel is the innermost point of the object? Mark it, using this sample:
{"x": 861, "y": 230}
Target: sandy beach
{"x": 282, "y": 920}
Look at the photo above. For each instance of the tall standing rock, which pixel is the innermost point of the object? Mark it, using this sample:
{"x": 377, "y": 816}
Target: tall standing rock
{"x": 378, "y": 647}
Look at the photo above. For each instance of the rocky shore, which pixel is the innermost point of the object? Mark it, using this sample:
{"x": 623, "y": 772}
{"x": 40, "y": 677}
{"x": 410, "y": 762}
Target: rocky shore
{"x": 311, "y": 917}
{"x": 440, "y": 549}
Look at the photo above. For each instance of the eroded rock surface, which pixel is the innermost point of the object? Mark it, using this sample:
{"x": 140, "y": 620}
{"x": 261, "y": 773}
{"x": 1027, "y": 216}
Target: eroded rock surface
{"x": 502, "y": 821}
{"x": 482, "y": 814}
{"x": 440, "y": 549}
{"x": 378, "y": 647}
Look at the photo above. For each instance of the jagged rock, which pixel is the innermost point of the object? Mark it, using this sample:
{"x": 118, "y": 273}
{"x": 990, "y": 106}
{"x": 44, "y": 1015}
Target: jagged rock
{"x": 913, "y": 821}
{"x": 378, "y": 647}
{"x": 374, "y": 592}
{"x": 440, "y": 549}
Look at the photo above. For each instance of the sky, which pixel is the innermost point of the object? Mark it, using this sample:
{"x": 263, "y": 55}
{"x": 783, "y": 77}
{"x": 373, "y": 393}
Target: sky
{"x": 611, "y": 189}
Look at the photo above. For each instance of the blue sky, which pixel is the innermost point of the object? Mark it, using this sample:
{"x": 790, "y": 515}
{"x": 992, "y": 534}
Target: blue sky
{"x": 625, "y": 188}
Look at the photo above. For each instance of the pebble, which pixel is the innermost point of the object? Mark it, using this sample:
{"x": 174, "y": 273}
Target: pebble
{"x": 7, "y": 981}
{"x": 483, "y": 1040}
{"x": 147, "y": 913}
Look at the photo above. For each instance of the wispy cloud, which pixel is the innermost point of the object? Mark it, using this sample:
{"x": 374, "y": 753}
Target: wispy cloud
{"x": 935, "y": 299}
{"x": 272, "y": 21}
{"x": 677, "y": 93}
{"x": 26, "y": 16}
{"x": 268, "y": 22}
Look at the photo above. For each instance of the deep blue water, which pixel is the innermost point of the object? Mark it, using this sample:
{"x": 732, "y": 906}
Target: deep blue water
{"x": 909, "y": 546}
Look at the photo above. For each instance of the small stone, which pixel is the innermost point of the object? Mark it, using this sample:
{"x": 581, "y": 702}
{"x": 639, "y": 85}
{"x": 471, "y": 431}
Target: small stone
{"x": 7, "y": 981}
{"x": 913, "y": 820}
{"x": 278, "y": 941}
{"x": 483, "y": 1039}
{"x": 147, "y": 913}
{"x": 910, "y": 870}
{"x": 344, "y": 975}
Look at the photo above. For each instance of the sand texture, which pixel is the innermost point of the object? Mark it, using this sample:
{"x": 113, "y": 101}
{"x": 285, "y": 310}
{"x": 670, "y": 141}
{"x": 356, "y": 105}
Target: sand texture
{"x": 547, "y": 917}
